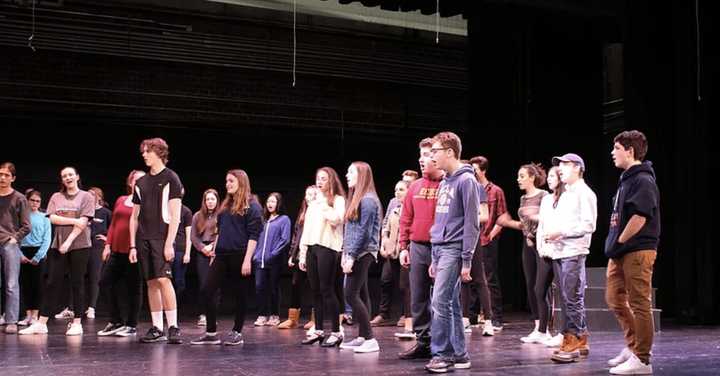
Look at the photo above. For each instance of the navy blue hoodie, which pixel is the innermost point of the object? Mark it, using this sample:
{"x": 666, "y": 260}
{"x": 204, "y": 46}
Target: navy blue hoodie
{"x": 637, "y": 194}
{"x": 456, "y": 213}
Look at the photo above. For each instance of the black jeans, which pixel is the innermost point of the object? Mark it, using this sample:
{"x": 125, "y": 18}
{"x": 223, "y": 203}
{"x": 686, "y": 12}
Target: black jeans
{"x": 322, "y": 269}
{"x": 117, "y": 268}
{"x": 94, "y": 270}
{"x": 31, "y": 282}
{"x": 356, "y": 283}
{"x": 420, "y": 290}
{"x": 389, "y": 286}
{"x": 492, "y": 273}
{"x": 267, "y": 289}
{"x": 405, "y": 291}
{"x": 226, "y": 267}
{"x": 298, "y": 284}
{"x": 76, "y": 261}
{"x": 476, "y": 291}
{"x": 202, "y": 266}
{"x": 530, "y": 264}
{"x": 543, "y": 293}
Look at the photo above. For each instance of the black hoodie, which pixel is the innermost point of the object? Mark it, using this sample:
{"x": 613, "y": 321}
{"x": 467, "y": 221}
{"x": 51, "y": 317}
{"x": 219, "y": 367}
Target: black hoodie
{"x": 637, "y": 194}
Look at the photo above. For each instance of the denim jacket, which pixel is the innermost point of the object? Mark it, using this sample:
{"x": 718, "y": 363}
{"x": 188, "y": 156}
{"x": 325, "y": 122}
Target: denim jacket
{"x": 363, "y": 234}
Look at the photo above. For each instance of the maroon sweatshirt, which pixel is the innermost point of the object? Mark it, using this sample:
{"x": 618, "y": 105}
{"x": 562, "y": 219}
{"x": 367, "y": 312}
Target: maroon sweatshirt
{"x": 418, "y": 213}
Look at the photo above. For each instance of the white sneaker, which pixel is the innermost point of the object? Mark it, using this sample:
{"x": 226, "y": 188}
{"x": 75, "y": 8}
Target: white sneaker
{"x": 488, "y": 330}
{"x": 35, "y": 328}
{"x": 2, "y": 319}
{"x": 90, "y": 313}
{"x": 632, "y": 366}
{"x": 357, "y": 342}
{"x": 27, "y": 321}
{"x": 466, "y": 325}
{"x": 554, "y": 341}
{"x": 74, "y": 329}
{"x": 65, "y": 314}
{"x": 310, "y": 331}
{"x": 368, "y": 346}
{"x": 261, "y": 321}
{"x": 273, "y": 321}
{"x": 624, "y": 355}
{"x": 406, "y": 335}
{"x": 530, "y": 338}
{"x": 202, "y": 320}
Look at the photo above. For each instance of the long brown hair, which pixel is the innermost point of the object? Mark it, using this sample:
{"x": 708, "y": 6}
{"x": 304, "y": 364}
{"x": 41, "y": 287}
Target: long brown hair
{"x": 303, "y": 206}
{"x": 365, "y": 184}
{"x": 536, "y": 171}
{"x": 560, "y": 189}
{"x": 99, "y": 195}
{"x": 128, "y": 181}
{"x": 238, "y": 202}
{"x": 204, "y": 212}
{"x": 335, "y": 188}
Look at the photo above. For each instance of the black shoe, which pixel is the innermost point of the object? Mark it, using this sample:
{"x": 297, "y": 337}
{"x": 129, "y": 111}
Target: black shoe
{"x": 333, "y": 340}
{"x": 206, "y": 340}
{"x": 154, "y": 335}
{"x": 313, "y": 338}
{"x": 174, "y": 335}
{"x": 111, "y": 329}
{"x": 234, "y": 338}
{"x": 419, "y": 351}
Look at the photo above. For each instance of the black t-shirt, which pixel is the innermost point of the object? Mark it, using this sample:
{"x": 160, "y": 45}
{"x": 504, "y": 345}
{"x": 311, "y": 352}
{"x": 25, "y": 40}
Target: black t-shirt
{"x": 100, "y": 223}
{"x": 153, "y": 193}
{"x": 186, "y": 216}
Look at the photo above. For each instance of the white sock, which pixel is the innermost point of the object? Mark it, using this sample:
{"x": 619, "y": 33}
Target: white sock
{"x": 537, "y": 325}
{"x": 171, "y": 318}
{"x": 157, "y": 319}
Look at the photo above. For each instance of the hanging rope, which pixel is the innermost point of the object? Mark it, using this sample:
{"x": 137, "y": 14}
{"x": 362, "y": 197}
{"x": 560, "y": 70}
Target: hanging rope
{"x": 437, "y": 22}
{"x": 32, "y": 34}
{"x": 698, "y": 53}
{"x": 294, "y": 41}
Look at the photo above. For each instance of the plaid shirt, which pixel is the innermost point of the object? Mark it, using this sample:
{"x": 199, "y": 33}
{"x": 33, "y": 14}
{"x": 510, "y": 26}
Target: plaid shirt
{"x": 496, "y": 208}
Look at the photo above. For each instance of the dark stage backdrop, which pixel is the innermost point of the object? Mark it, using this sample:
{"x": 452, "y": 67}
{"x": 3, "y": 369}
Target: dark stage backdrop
{"x": 527, "y": 84}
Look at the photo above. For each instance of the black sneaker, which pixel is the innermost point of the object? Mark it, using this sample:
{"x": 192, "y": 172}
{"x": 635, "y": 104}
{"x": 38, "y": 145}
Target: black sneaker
{"x": 174, "y": 335}
{"x": 154, "y": 335}
{"x": 439, "y": 365}
{"x": 462, "y": 362}
{"x": 419, "y": 351}
{"x": 111, "y": 329}
{"x": 207, "y": 339}
{"x": 128, "y": 331}
{"x": 234, "y": 339}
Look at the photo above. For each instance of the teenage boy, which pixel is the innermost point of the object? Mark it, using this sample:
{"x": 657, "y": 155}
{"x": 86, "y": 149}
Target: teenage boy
{"x": 454, "y": 235}
{"x": 153, "y": 227}
{"x": 631, "y": 245}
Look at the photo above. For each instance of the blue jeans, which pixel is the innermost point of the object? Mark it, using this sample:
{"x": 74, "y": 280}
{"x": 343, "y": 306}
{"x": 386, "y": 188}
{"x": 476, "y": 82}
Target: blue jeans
{"x": 10, "y": 257}
{"x": 448, "y": 336}
{"x": 267, "y": 291}
{"x": 570, "y": 274}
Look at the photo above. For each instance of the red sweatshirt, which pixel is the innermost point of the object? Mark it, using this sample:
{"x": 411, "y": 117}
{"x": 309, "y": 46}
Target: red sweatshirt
{"x": 418, "y": 212}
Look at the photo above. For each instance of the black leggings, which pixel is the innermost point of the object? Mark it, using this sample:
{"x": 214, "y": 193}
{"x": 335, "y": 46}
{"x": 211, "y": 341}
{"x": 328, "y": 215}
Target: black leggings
{"x": 476, "y": 291}
{"x": 322, "y": 270}
{"x": 529, "y": 263}
{"x": 117, "y": 268}
{"x": 298, "y": 283}
{"x": 225, "y": 267}
{"x": 58, "y": 264}
{"x": 543, "y": 295}
{"x": 357, "y": 282}
{"x": 94, "y": 272}
{"x": 31, "y": 281}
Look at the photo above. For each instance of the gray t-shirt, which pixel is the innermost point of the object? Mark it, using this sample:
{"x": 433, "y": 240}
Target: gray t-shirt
{"x": 81, "y": 204}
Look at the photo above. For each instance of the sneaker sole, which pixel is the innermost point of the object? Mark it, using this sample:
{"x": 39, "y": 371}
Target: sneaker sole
{"x": 441, "y": 370}
{"x": 106, "y": 334}
{"x": 366, "y": 351}
{"x": 154, "y": 340}
{"x": 205, "y": 343}
{"x": 121, "y": 335}
{"x": 233, "y": 343}
{"x": 462, "y": 365}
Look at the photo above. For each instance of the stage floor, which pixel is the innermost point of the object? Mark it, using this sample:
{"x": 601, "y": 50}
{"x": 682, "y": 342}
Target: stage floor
{"x": 268, "y": 351}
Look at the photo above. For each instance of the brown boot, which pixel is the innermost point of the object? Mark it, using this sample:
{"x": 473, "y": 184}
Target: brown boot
{"x": 292, "y": 321}
{"x": 569, "y": 352}
{"x": 584, "y": 346}
{"x": 310, "y": 323}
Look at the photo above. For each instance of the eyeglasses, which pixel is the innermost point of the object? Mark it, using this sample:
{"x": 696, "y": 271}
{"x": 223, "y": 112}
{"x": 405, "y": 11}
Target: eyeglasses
{"x": 435, "y": 150}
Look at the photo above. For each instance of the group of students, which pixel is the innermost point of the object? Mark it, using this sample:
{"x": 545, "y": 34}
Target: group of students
{"x": 437, "y": 243}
